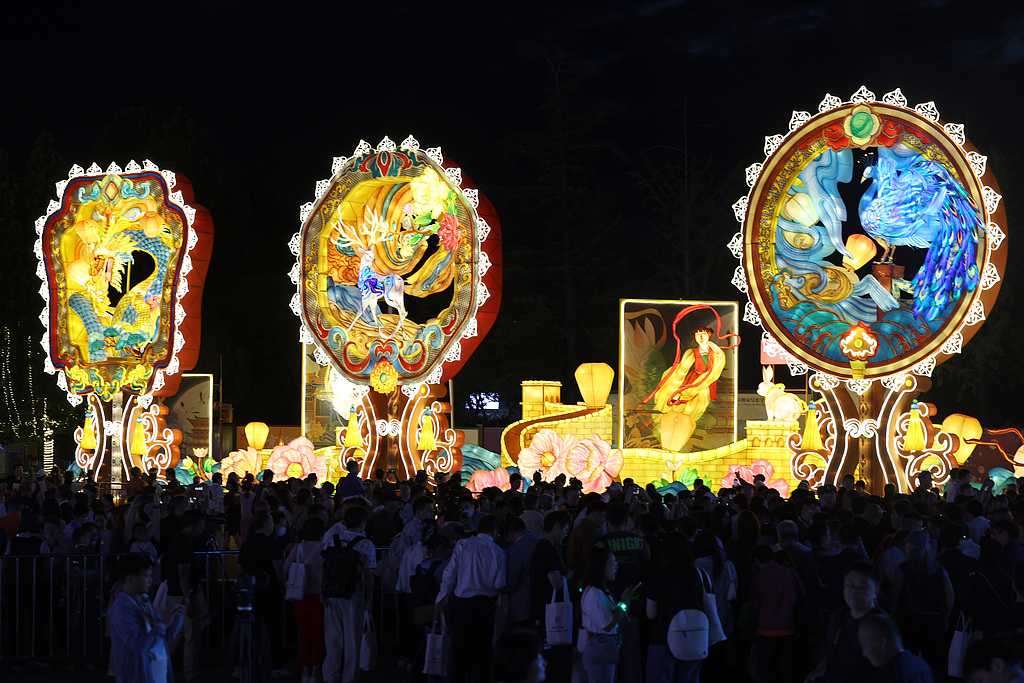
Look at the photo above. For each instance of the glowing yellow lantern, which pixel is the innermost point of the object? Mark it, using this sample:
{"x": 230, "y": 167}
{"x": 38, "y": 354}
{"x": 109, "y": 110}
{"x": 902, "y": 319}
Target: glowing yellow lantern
{"x": 812, "y": 437}
{"x": 138, "y": 442}
{"x": 965, "y": 427}
{"x": 595, "y": 383}
{"x": 916, "y": 439}
{"x": 427, "y": 441}
{"x": 88, "y": 442}
{"x": 862, "y": 249}
{"x": 151, "y": 223}
{"x": 676, "y": 430}
{"x": 78, "y": 272}
{"x": 353, "y": 439}
{"x": 256, "y": 434}
{"x": 800, "y": 208}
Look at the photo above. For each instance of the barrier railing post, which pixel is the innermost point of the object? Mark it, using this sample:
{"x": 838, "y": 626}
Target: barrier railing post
{"x": 32, "y": 587}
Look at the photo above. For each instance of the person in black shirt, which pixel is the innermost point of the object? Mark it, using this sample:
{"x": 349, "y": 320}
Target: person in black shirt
{"x": 670, "y": 588}
{"x": 182, "y": 574}
{"x": 261, "y": 557}
{"x": 883, "y": 647}
{"x": 546, "y": 572}
{"x": 844, "y": 661}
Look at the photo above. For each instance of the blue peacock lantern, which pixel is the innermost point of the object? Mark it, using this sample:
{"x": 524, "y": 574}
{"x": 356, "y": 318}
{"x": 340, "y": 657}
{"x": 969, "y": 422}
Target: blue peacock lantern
{"x": 872, "y": 244}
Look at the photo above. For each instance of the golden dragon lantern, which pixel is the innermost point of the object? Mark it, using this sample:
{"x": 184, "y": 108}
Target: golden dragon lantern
{"x": 123, "y": 255}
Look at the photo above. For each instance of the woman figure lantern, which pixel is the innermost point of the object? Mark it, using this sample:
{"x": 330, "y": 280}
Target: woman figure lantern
{"x": 689, "y": 386}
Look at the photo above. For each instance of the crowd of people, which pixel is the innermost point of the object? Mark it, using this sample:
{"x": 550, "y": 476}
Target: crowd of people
{"x": 834, "y": 584}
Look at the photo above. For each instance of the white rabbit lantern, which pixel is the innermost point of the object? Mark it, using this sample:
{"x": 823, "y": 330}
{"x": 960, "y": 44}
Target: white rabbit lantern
{"x": 780, "y": 405}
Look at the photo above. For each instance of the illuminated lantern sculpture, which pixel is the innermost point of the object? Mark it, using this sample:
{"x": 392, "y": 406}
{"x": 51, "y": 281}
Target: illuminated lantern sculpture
{"x": 595, "y": 383}
{"x": 872, "y": 339}
{"x": 676, "y": 429}
{"x": 256, "y": 434}
{"x": 123, "y": 257}
{"x": 393, "y": 224}
{"x": 967, "y": 429}
{"x": 861, "y": 249}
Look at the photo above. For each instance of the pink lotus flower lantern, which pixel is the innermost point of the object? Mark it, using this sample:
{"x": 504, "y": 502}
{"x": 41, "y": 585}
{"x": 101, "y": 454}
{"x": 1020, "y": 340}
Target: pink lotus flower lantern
{"x": 297, "y": 459}
{"x": 747, "y": 474}
{"x": 546, "y": 453}
{"x": 241, "y": 462}
{"x": 593, "y": 462}
{"x": 484, "y": 479}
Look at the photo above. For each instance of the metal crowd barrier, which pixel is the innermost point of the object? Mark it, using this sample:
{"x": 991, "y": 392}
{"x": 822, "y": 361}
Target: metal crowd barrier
{"x": 54, "y": 606}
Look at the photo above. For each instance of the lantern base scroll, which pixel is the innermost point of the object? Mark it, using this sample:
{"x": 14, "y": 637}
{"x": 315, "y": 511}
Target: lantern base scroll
{"x": 390, "y": 429}
{"x": 863, "y": 426}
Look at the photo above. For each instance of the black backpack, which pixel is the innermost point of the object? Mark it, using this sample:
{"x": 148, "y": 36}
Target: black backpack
{"x": 425, "y": 584}
{"x": 342, "y": 568}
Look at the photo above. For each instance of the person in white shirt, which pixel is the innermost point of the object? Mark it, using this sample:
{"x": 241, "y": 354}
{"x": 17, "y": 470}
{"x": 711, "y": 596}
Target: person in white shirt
{"x": 141, "y": 542}
{"x": 601, "y": 616}
{"x": 471, "y": 583}
{"x": 977, "y": 523}
{"x": 421, "y": 525}
{"x": 343, "y": 617}
{"x": 215, "y": 494}
{"x": 531, "y": 516}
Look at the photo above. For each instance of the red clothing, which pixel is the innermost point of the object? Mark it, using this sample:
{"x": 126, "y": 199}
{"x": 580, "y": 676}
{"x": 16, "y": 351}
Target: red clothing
{"x": 9, "y": 525}
{"x": 700, "y": 366}
{"x": 309, "y": 615}
{"x": 773, "y": 593}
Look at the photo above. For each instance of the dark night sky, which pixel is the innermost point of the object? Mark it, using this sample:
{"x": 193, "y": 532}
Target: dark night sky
{"x": 279, "y": 89}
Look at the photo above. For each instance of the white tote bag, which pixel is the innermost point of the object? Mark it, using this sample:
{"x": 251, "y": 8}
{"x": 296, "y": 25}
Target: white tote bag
{"x": 296, "y": 589}
{"x": 160, "y": 600}
{"x": 958, "y": 646}
{"x": 558, "y": 617}
{"x": 716, "y": 633}
{"x": 368, "y": 646}
{"x": 435, "y": 659}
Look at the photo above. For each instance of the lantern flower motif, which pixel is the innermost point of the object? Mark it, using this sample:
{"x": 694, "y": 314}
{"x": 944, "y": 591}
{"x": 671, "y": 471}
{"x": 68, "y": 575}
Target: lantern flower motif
{"x": 484, "y": 479}
{"x": 546, "y": 453}
{"x": 297, "y": 459}
{"x": 688, "y": 478}
{"x": 241, "y": 462}
{"x": 747, "y": 474}
{"x": 593, "y": 462}
{"x": 429, "y": 192}
{"x": 859, "y": 343}
{"x": 861, "y": 125}
{"x": 448, "y": 231}
{"x": 384, "y": 378}
{"x": 674, "y": 465}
